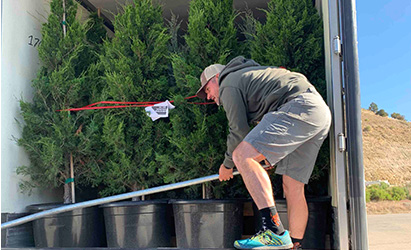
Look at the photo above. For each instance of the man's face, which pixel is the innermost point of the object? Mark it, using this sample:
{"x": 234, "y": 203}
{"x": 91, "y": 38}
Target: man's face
{"x": 211, "y": 89}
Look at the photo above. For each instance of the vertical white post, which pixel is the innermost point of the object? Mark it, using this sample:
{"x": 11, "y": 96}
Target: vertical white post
{"x": 64, "y": 18}
{"x": 73, "y": 195}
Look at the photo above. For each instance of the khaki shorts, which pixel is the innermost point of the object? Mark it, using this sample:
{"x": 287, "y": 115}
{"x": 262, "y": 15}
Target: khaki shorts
{"x": 292, "y": 135}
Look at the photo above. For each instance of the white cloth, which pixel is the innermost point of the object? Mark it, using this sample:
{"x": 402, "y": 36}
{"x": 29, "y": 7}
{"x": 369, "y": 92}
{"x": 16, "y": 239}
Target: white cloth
{"x": 159, "y": 110}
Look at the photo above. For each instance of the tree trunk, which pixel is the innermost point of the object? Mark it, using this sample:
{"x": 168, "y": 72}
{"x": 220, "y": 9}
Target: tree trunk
{"x": 67, "y": 186}
{"x": 67, "y": 194}
{"x": 135, "y": 188}
{"x": 209, "y": 191}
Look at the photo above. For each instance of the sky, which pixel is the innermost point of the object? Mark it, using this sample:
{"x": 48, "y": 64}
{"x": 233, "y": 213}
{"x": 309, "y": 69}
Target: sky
{"x": 384, "y": 49}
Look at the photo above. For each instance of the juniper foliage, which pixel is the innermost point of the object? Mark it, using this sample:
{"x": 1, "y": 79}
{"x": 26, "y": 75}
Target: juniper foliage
{"x": 135, "y": 63}
{"x": 49, "y": 136}
{"x": 292, "y": 37}
{"x": 198, "y": 134}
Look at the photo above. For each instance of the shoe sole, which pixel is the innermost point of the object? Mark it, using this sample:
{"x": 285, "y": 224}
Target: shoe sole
{"x": 270, "y": 247}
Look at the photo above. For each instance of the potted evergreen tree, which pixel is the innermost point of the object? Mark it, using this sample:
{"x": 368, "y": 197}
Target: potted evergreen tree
{"x": 198, "y": 132}
{"x": 58, "y": 142}
{"x": 135, "y": 66}
{"x": 292, "y": 37}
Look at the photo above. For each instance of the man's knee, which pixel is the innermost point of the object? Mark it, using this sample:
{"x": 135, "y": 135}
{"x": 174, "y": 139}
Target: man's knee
{"x": 243, "y": 152}
{"x": 238, "y": 156}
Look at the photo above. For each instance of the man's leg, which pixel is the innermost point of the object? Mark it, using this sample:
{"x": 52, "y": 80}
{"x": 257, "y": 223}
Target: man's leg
{"x": 257, "y": 181}
{"x": 258, "y": 184}
{"x": 246, "y": 158}
{"x": 296, "y": 207}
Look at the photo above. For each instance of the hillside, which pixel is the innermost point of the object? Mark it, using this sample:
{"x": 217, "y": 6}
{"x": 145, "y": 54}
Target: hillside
{"x": 387, "y": 148}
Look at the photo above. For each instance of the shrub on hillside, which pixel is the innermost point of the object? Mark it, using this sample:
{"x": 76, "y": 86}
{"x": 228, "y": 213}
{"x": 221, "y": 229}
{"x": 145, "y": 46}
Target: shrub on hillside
{"x": 398, "y": 116}
{"x": 382, "y": 113}
{"x": 399, "y": 193}
{"x": 385, "y": 192}
{"x": 367, "y": 129}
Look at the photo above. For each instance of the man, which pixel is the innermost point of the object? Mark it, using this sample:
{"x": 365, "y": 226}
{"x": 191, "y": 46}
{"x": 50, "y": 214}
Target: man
{"x": 293, "y": 121}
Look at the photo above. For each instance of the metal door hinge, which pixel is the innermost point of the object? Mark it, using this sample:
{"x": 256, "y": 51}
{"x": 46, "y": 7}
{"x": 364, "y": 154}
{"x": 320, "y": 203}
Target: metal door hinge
{"x": 337, "y": 45}
{"x": 341, "y": 142}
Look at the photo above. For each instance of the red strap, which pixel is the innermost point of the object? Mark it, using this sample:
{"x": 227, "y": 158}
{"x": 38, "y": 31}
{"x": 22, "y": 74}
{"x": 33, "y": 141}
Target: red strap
{"x": 128, "y": 104}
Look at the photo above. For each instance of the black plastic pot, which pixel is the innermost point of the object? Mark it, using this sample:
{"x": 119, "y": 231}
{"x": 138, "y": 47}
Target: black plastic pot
{"x": 78, "y": 228}
{"x": 208, "y": 223}
{"x": 318, "y": 214}
{"x": 18, "y": 236}
{"x": 138, "y": 224}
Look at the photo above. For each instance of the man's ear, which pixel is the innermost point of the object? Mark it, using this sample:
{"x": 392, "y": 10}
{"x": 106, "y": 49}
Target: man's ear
{"x": 216, "y": 78}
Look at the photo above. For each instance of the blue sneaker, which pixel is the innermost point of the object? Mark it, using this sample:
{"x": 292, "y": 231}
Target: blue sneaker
{"x": 265, "y": 239}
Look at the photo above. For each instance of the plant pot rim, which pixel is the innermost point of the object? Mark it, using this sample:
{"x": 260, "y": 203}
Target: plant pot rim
{"x": 208, "y": 201}
{"x": 134, "y": 203}
{"x": 36, "y": 208}
{"x": 45, "y": 206}
{"x": 309, "y": 199}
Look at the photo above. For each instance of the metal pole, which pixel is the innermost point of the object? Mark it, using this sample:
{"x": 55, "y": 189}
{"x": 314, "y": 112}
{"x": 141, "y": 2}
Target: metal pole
{"x": 359, "y": 235}
{"x": 114, "y": 198}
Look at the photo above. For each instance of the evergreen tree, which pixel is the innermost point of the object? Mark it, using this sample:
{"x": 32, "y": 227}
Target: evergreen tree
{"x": 211, "y": 35}
{"x": 53, "y": 138}
{"x": 135, "y": 63}
{"x": 373, "y": 107}
{"x": 292, "y": 37}
{"x": 198, "y": 135}
{"x": 247, "y": 28}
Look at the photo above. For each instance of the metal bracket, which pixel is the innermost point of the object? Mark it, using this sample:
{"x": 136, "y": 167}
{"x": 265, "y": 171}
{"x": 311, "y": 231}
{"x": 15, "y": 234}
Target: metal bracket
{"x": 341, "y": 142}
{"x": 337, "y": 45}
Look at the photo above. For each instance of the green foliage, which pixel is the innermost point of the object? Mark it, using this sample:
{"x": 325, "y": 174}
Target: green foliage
{"x": 135, "y": 60}
{"x": 398, "y": 116}
{"x": 198, "y": 134}
{"x": 122, "y": 149}
{"x": 211, "y": 35}
{"x": 135, "y": 63}
{"x": 367, "y": 196}
{"x": 385, "y": 192}
{"x": 248, "y": 30}
{"x": 173, "y": 27}
{"x": 292, "y": 37}
{"x": 382, "y": 113}
{"x": 373, "y": 107}
{"x": 399, "y": 193}
{"x": 49, "y": 136}
{"x": 367, "y": 129}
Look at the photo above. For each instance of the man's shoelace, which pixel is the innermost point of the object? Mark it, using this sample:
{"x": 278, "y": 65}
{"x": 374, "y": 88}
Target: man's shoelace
{"x": 262, "y": 230}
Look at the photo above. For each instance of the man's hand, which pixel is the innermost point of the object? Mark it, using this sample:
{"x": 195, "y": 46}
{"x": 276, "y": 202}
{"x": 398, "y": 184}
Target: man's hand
{"x": 225, "y": 174}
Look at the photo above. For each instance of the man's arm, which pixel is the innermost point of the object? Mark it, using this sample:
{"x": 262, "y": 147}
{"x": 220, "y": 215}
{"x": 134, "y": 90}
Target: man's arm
{"x": 235, "y": 107}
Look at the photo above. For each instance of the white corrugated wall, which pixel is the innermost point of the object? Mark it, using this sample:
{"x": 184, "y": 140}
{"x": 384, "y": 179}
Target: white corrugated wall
{"x": 21, "y": 32}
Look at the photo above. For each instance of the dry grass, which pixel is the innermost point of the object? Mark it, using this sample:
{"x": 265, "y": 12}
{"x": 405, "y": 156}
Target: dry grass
{"x": 388, "y": 207}
{"x": 387, "y": 149}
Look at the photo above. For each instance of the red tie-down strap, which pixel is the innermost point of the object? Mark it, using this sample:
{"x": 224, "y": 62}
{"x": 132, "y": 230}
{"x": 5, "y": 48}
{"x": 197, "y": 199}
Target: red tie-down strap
{"x": 116, "y": 105}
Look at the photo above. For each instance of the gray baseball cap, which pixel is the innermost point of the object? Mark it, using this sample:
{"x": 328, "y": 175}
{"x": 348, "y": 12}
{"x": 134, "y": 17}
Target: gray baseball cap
{"x": 207, "y": 74}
